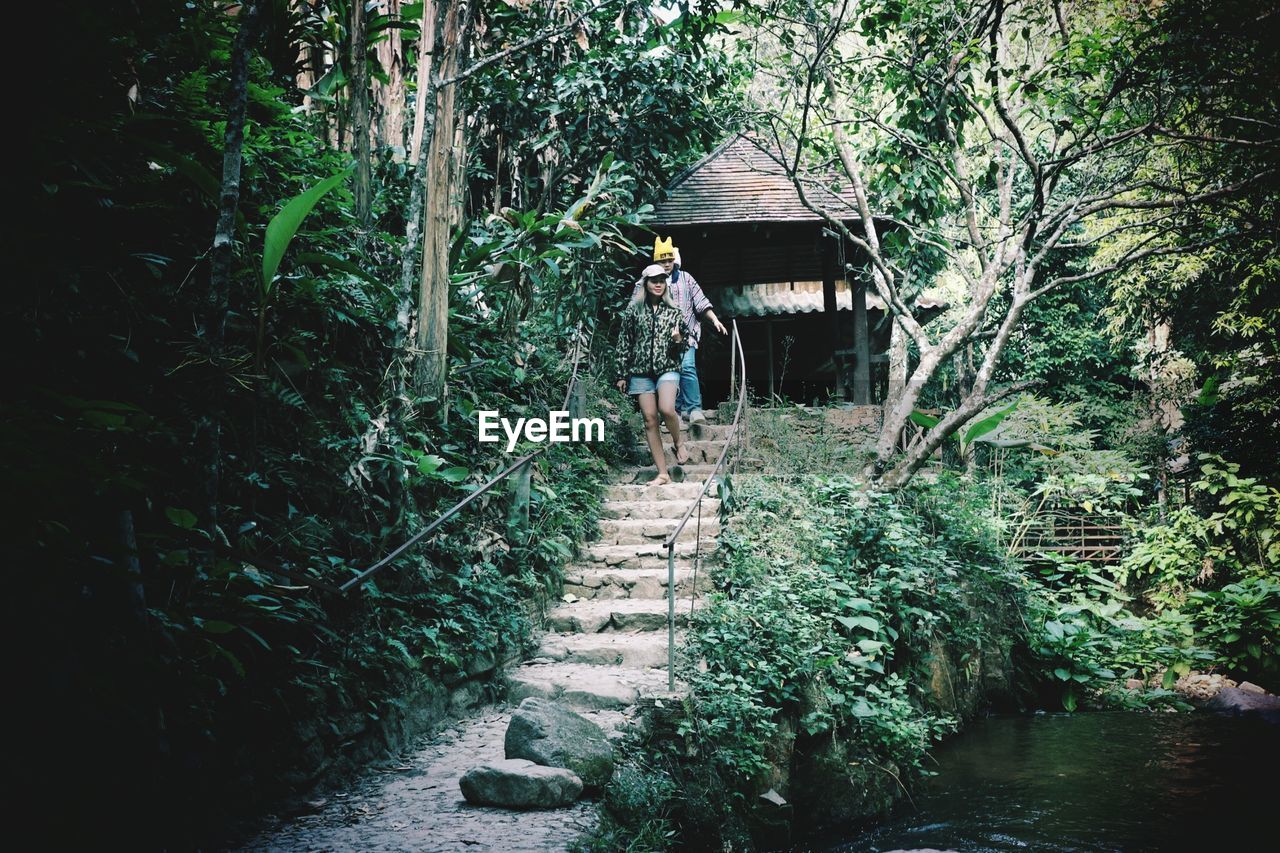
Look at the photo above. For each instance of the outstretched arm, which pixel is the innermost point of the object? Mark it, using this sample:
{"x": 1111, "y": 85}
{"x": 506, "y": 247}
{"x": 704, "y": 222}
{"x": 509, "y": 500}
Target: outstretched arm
{"x": 702, "y": 305}
{"x": 710, "y": 314}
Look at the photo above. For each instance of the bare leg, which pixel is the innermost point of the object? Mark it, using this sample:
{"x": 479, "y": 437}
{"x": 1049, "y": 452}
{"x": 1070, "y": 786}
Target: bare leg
{"x": 667, "y": 408}
{"x": 649, "y": 408}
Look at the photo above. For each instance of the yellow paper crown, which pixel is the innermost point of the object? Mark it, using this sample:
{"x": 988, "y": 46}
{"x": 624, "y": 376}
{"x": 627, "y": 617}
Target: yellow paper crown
{"x": 662, "y": 250}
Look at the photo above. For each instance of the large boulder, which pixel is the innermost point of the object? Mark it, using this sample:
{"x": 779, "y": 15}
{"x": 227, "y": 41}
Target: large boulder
{"x": 1233, "y": 700}
{"x": 545, "y": 733}
{"x": 520, "y": 784}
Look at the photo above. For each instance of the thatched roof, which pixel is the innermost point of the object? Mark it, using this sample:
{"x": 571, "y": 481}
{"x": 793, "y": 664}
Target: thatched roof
{"x": 740, "y": 182}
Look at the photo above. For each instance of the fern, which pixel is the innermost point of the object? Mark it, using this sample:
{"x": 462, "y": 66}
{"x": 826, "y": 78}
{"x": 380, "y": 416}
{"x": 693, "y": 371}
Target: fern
{"x": 191, "y": 94}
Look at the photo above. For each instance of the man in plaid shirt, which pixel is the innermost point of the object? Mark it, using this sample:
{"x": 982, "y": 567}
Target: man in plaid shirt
{"x": 695, "y": 305}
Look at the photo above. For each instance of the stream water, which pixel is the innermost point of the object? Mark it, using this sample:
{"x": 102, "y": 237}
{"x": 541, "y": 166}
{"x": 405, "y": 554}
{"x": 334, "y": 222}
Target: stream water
{"x": 1105, "y": 781}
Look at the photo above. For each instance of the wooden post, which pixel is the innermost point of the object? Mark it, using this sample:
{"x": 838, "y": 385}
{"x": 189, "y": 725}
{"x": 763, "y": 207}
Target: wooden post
{"x": 518, "y": 512}
{"x": 861, "y": 343}
{"x": 832, "y": 309}
{"x": 733, "y": 361}
{"x": 768, "y": 334}
{"x": 578, "y": 400}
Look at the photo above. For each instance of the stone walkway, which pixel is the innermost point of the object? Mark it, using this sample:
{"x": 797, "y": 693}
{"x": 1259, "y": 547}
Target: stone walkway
{"x": 605, "y": 648}
{"x": 606, "y": 645}
{"x": 418, "y": 805}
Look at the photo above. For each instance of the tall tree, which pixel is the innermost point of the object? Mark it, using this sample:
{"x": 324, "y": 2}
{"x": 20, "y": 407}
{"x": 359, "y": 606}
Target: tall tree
{"x": 390, "y": 94}
{"x": 1002, "y": 138}
{"x": 439, "y": 162}
{"x": 441, "y": 154}
{"x": 222, "y": 260}
{"x": 360, "y": 129}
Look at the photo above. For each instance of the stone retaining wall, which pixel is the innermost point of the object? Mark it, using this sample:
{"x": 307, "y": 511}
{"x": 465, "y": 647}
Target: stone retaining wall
{"x": 339, "y": 747}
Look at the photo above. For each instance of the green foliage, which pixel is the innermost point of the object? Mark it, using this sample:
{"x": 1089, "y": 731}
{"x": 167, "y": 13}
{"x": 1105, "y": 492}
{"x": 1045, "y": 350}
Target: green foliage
{"x": 284, "y": 226}
{"x": 1220, "y": 301}
{"x": 1245, "y": 513}
{"x": 1230, "y": 532}
{"x": 831, "y": 604}
{"x": 1072, "y": 650}
{"x": 1085, "y": 642}
{"x": 1167, "y": 559}
{"x": 1242, "y": 621}
{"x": 649, "y": 93}
{"x": 214, "y": 658}
{"x": 1208, "y": 572}
{"x": 637, "y": 811}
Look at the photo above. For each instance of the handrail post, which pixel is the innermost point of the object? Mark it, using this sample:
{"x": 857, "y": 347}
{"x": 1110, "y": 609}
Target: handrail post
{"x": 732, "y": 361}
{"x": 518, "y": 511}
{"x": 578, "y": 399}
{"x": 671, "y": 616}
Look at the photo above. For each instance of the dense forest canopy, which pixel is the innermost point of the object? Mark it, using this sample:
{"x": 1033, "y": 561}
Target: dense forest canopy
{"x": 272, "y": 257}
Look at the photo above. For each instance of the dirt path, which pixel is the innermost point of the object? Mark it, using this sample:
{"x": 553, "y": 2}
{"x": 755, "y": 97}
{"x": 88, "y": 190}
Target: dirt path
{"x": 419, "y": 806}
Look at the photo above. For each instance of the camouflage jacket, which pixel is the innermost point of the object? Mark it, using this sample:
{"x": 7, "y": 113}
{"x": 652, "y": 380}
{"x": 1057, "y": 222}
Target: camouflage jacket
{"x": 645, "y": 347}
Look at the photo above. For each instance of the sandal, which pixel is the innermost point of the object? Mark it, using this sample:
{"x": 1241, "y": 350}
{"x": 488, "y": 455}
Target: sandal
{"x": 682, "y": 453}
{"x": 660, "y": 480}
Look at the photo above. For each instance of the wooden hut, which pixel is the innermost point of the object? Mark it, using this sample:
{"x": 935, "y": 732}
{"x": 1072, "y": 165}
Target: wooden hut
{"x": 797, "y": 289}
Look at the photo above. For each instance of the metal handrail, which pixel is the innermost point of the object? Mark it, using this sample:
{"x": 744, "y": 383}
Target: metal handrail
{"x": 738, "y": 379}
{"x": 579, "y": 348}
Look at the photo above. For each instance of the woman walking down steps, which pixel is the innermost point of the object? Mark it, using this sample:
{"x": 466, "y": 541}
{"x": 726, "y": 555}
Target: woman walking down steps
{"x": 651, "y": 348}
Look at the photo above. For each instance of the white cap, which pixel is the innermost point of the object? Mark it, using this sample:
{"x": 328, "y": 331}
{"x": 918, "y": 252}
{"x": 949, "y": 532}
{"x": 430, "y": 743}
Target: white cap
{"x": 653, "y": 271}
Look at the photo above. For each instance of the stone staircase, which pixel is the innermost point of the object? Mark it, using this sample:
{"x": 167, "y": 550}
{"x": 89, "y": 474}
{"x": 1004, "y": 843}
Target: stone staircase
{"x": 605, "y": 644}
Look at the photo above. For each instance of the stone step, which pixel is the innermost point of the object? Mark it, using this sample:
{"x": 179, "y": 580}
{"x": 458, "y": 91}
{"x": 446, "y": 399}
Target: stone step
{"x": 645, "y": 492}
{"x": 637, "y": 650}
{"x": 700, "y": 453}
{"x": 593, "y": 616}
{"x": 672, "y": 510}
{"x": 708, "y": 431}
{"x": 679, "y": 473}
{"x": 641, "y": 583}
{"x": 584, "y": 687}
{"x": 634, "y": 531}
{"x": 640, "y": 555}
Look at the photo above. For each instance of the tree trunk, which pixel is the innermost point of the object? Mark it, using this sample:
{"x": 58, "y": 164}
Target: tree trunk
{"x": 861, "y": 342}
{"x": 390, "y": 426}
{"x": 360, "y": 114}
{"x": 309, "y": 65}
{"x": 426, "y": 92}
{"x": 391, "y": 95}
{"x": 222, "y": 259}
{"x": 897, "y": 362}
{"x": 433, "y": 286}
{"x": 1166, "y": 412}
{"x": 136, "y": 594}
{"x": 458, "y": 174}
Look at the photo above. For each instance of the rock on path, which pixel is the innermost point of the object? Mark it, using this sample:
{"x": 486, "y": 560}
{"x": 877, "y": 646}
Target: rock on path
{"x": 421, "y": 808}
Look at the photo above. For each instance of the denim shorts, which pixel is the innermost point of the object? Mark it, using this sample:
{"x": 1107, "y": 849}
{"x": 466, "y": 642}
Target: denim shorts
{"x": 646, "y": 385}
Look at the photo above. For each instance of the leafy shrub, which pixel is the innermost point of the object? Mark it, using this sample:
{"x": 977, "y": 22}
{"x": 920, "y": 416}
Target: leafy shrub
{"x": 830, "y": 604}
{"x": 1073, "y": 650}
{"x": 1168, "y": 558}
{"x": 1241, "y": 622}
